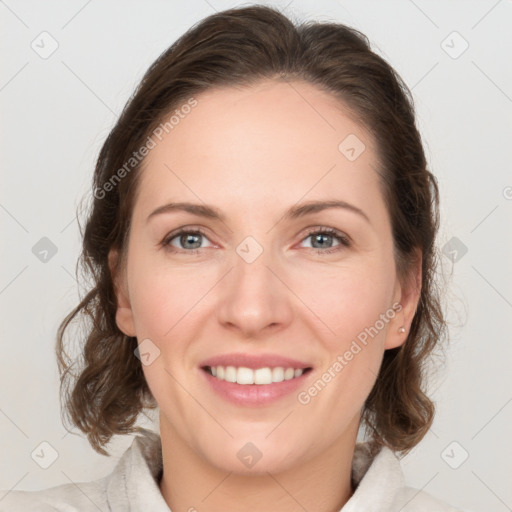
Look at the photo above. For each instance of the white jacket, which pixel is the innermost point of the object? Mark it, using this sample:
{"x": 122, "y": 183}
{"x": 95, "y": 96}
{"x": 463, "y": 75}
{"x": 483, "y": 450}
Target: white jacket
{"x": 133, "y": 486}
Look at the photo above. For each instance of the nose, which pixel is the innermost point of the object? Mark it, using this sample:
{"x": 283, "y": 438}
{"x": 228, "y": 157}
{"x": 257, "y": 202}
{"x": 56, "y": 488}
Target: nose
{"x": 254, "y": 299}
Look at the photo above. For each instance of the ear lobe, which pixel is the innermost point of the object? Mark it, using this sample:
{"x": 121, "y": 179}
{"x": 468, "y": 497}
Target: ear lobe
{"x": 124, "y": 314}
{"x": 408, "y": 296}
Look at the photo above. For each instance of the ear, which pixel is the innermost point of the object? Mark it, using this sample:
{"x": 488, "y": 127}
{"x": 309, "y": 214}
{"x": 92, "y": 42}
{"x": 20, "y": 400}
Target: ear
{"x": 406, "y": 297}
{"x": 124, "y": 315}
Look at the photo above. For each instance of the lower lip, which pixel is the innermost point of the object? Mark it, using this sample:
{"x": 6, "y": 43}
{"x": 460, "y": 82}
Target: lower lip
{"x": 254, "y": 394}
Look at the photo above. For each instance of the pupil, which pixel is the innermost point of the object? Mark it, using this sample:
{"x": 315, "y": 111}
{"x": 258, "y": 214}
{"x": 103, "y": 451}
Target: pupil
{"x": 186, "y": 238}
{"x": 319, "y": 236}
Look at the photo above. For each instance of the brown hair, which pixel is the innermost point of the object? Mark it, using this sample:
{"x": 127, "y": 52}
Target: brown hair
{"x": 240, "y": 47}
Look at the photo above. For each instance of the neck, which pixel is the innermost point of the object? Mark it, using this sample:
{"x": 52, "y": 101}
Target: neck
{"x": 190, "y": 483}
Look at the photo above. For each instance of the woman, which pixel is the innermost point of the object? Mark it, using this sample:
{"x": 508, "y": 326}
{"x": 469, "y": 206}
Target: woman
{"x": 304, "y": 308}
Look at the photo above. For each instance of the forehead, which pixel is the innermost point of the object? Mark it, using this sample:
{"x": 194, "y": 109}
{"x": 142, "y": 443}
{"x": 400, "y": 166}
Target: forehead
{"x": 271, "y": 143}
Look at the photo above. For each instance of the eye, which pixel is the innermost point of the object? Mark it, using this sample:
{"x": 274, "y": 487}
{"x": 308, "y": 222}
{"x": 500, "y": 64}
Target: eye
{"x": 322, "y": 239}
{"x": 189, "y": 240}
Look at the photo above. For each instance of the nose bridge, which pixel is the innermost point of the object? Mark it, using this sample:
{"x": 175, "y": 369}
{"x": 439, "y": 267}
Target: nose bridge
{"x": 253, "y": 298}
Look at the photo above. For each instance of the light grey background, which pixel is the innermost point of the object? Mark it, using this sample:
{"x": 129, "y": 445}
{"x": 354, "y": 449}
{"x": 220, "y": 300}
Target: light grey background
{"x": 57, "y": 111}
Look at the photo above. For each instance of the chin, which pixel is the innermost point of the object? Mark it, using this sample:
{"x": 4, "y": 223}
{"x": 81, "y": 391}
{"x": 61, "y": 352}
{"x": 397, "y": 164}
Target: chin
{"x": 242, "y": 456}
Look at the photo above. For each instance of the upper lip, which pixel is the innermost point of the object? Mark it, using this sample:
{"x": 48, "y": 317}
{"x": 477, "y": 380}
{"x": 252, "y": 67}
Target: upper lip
{"x": 254, "y": 361}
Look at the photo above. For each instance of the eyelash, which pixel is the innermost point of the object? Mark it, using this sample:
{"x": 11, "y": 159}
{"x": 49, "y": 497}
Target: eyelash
{"x": 343, "y": 239}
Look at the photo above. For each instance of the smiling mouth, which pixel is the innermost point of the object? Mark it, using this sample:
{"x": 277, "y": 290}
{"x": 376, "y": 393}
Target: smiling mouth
{"x": 260, "y": 376}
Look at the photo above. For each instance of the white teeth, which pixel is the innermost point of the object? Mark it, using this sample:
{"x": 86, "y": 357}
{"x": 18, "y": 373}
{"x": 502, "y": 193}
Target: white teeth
{"x": 278, "y": 374}
{"x": 230, "y": 374}
{"x": 289, "y": 373}
{"x": 262, "y": 376}
{"x": 243, "y": 375}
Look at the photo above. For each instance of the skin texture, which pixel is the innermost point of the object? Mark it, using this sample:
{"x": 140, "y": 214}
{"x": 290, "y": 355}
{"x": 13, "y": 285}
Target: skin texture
{"x": 253, "y": 152}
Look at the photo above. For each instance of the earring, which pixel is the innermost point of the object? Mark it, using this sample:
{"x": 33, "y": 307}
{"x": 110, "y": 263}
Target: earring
{"x": 402, "y": 329}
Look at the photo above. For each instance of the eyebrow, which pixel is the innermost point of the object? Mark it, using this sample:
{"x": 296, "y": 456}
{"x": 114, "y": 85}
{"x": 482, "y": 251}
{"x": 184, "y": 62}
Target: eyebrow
{"x": 295, "y": 212}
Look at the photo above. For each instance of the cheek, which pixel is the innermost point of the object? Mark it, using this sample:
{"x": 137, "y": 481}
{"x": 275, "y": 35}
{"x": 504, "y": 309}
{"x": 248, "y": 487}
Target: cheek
{"x": 162, "y": 296}
{"x": 352, "y": 305}
{"x": 348, "y": 302}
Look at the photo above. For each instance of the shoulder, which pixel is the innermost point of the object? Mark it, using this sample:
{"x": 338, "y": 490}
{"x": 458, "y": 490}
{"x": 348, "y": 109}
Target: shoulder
{"x": 380, "y": 485}
{"x": 408, "y": 499}
{"x": 130, "y": 486}
{"x": 62, "y": 498}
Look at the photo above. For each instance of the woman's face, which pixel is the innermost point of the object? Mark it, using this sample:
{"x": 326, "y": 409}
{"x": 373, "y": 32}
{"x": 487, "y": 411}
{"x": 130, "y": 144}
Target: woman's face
{"x": 261, "y": 280}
